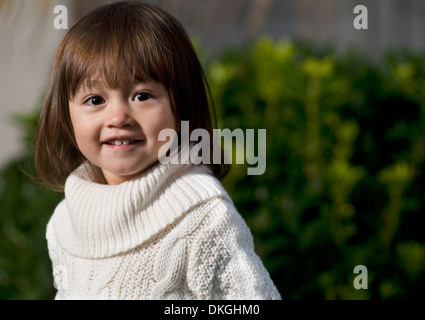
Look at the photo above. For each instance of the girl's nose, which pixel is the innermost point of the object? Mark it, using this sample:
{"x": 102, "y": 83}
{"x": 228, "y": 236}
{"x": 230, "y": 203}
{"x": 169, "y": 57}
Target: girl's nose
{"x": 118, "y": 115}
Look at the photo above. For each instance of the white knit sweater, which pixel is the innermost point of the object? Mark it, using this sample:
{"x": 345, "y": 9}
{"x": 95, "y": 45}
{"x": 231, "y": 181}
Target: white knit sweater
{"x": 173, "y": 233}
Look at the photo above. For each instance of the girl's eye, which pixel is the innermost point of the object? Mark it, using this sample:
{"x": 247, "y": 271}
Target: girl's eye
{"x": 142, "y": 96}
{"x": 95, "y": 100}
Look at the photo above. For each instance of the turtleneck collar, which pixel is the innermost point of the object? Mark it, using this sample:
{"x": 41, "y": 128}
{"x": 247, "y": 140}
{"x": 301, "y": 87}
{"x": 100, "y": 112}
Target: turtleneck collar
{"x": 97, "y": 221}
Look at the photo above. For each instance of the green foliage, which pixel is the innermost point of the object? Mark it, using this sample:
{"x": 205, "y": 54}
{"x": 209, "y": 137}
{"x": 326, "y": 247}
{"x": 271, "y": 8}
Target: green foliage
{"x": 345, "y": 159}
{"x": 25, "y": 207}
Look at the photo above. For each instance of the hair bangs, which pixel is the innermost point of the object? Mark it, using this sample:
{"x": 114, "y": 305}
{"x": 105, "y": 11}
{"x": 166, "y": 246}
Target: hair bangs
{"x": 114, "y": 54}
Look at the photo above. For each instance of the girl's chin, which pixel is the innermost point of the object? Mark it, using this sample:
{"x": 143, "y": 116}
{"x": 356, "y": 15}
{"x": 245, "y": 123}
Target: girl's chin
{"x": 114, "y": 177}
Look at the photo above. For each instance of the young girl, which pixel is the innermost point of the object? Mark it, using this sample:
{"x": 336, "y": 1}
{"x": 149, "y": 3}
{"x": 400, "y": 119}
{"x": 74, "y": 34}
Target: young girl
{"x": 131, "y": 227}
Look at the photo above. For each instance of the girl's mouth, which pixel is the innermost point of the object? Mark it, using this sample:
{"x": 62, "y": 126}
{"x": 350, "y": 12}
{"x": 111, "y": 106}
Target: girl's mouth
{"x": 122, "y": 143}
{"x": 118, "y": 142}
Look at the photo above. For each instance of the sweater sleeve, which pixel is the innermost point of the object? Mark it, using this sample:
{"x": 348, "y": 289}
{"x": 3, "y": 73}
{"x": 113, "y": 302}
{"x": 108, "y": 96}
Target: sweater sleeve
{"x": 223, "y": 263}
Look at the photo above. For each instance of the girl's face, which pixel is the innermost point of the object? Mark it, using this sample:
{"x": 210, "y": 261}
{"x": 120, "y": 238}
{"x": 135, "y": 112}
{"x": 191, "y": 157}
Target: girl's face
{"x": 117, "y": 129}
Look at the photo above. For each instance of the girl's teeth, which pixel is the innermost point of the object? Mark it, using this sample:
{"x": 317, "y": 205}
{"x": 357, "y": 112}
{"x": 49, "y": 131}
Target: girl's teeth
{"x": 120, "y": 142}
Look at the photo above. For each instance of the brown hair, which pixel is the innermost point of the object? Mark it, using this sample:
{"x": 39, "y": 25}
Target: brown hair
{"x": 120, "y": 42}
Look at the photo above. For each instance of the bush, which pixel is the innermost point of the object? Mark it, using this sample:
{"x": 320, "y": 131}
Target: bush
{"x": 345, "y": 159}
{"x": 25, "y": 208}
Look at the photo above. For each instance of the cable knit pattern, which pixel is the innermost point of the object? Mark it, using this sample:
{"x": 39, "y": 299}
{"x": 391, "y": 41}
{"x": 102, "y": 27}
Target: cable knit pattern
{"x": 172, "y": 233}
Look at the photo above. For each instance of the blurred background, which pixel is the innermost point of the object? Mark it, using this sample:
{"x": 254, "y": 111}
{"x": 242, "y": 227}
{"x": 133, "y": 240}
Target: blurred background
{"x": 344, "y": 114}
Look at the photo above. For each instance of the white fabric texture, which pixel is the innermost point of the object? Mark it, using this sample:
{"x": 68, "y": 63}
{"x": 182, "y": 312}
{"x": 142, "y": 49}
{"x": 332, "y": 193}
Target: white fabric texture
{"x": 172, "y": 233}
